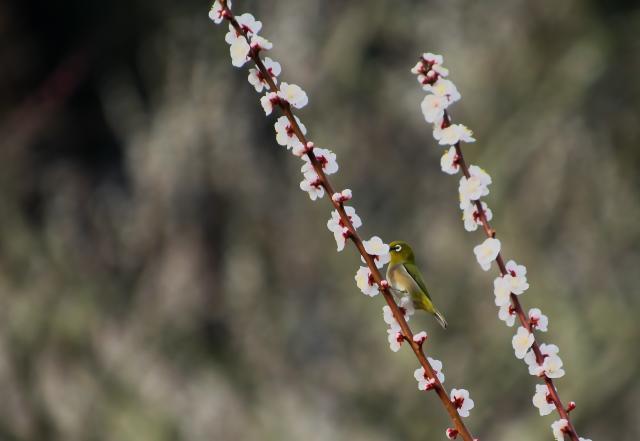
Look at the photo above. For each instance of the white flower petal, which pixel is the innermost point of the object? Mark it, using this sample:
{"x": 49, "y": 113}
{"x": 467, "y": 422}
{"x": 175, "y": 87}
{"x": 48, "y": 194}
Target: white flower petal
{"x": 541, "y": 402}
{"x": 294, "y": 95}
{"x": 365, "y": 282}
{"x": 558, "y": 428}
{"x": 507, "y": 315}
{"x": 378, "y": 249}
{"x": 501, "y": 292}
{"x": 487, "y": 252}
{"x": 239, "y": 51}
{"x": 433, "y": 107}
{"x": 521, "y": 342}
{"x": 216, "y": 11}
{"x": 449, "y": 161}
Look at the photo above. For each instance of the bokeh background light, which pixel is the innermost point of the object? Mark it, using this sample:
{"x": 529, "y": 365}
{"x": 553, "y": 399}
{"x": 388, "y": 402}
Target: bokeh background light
{"x": 162, "y": 276}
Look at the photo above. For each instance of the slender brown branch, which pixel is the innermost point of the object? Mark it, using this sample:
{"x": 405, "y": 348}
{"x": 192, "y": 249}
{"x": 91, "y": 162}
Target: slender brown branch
{"x": 357, "y": 241}
{"x": 519, "y": 311}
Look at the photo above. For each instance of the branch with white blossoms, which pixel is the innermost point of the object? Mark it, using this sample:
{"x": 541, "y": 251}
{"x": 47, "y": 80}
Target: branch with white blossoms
{"x": 246, "y": 45}
{"x": 543, "y": 360}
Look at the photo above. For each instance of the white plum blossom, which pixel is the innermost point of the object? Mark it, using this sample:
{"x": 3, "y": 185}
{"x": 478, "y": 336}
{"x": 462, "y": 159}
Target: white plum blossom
{"x": 449, "y": 161}
{"x": 534, "y": 368}
{"x": 268, "y": 101}
{"x": 437, "y": 367}
{"x": 474, "y": 187}
{"x": 501, "y": 291}
{"x": 432, "y": 59}
{"x": 378, "y": 249}
{"x": 517, "y": 277}
{"x": 540, "y": 400}
{"x": 440, "y": 70}
{"x": 365, "y": 282}
{"x": 507, "y": 315}
{"x": 538, "y": 320}
{"x": 389, "y": 318}
{"x": 431, "y": 62}
{"x": 340, "y": 234}
{"x": 326, "y": 158}
{"x": 257, "y": 80}
{"x": 521, "y": 342}
{"x": 312, "y": 185}
{"x": 356, "y": 222}
{"x": 294, "y": 95}
{"x": 559, "y": 428}
{"x": 273, "y": 68}
{"x": 418, "y": 68}
{"x": 232, "y": 35}
{"x": 344, "y": 196}
{"x": 551, "y": 365}
{"x": 239, "y": 51}
{"x": 285, "y": 135}
{"x": 433, "y": 107}
{"x": 394, "y": 333}
{"x": 487, "y": 252}
{"x": 549, "y": 349}
{"x": 337, "y": 227}
{"x": 445, "y": 89}
{"x": 249, "y": 25}
{"x": 452, "y": 134}
{"x": 424, "y": 381}
{"x": 406, "y": 306}
{"x": 471, "y": 216}
{"x": 259, "y": 43}
{"x": 216, "y": 12}
{"x": 429, "y": 77}
{"x": 420, "y": 337}
{"x": 479, "y": 172}
{"x": 300, "y": 150}
{"x": 395, "y": 339}
{"x": 429, "y": 70}
{"x": 583, "y": 439}
{"x": 462, "y": 402}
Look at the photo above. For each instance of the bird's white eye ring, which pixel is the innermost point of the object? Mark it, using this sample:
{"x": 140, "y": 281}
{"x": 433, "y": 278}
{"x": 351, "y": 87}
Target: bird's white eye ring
{"x": 398, "y": 248}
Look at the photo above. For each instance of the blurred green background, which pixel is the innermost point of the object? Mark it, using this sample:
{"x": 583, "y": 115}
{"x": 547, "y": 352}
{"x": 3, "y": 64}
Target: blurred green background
{"x": 162, "y": 277}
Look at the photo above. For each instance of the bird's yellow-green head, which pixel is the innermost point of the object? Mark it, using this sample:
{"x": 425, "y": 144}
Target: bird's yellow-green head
{"x": 401, "y": 252}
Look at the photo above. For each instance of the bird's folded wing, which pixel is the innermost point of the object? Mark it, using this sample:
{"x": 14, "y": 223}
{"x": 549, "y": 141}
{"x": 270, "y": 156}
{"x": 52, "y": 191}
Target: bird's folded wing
{"x": 414, "y": 273}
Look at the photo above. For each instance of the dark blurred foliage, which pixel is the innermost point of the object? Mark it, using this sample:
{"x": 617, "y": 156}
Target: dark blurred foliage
{"x": 162, "y": 277}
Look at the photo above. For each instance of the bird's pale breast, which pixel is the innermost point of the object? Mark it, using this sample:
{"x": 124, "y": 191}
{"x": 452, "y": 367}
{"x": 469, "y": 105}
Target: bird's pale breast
{"x": 400, "y": 279}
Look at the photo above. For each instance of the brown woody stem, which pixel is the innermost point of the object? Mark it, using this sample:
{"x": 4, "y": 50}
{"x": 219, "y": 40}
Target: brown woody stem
{"x": 355, "y": 238}
{"x": 524, "y": 320}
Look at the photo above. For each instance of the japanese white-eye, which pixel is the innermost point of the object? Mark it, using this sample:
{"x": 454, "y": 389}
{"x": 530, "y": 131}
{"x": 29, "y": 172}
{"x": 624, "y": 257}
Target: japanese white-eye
{"x": 405, "y": 278}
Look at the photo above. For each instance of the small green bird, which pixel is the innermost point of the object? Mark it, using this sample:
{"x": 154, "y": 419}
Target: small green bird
{"x": 404, "y": 277}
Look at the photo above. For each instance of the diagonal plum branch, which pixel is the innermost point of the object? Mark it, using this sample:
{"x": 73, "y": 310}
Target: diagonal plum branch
{"x": 517, "y": 307}
{"x": 542, "y": 359}
{"x": 407, "y": 334}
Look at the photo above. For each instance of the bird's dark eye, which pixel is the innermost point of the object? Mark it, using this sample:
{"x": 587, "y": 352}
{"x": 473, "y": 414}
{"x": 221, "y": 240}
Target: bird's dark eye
{"x": 398, "y": 248}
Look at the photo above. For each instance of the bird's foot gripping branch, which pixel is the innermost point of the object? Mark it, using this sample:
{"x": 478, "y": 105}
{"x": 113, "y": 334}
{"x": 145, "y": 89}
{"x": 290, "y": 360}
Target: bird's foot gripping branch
{"x": 542, "y": 359}
{"x": 246, "y": 45}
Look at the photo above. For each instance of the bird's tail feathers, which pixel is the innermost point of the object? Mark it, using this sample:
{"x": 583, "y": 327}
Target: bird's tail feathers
{"x": 440, "y": 318}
